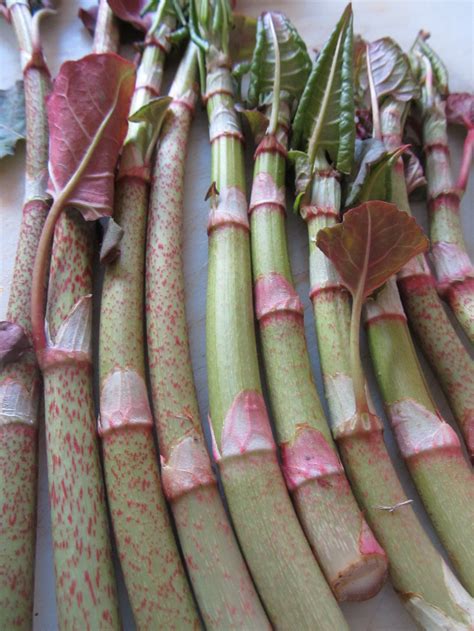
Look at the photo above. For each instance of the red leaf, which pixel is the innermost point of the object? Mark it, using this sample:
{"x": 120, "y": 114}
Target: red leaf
{"x": 13, "y": 342}
{"x": 460, "y": 109}
{"x": 87, "y": 115}
{"x": 373, "y": 242}
{"x": 130, "y": 11}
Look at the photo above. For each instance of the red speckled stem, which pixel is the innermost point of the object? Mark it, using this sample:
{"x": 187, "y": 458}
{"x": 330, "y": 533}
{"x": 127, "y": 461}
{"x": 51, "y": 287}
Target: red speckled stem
{"x": 85, "y": 582}
{"x": 427, "y": 317}
{"x": 286, "y": 574}
{"x": 454, "y": 269}
{"x": 427, "y": 587}
{"x": 20, "y": 385}
{"x": 157, "y": 586}
{"x": 221, "y": 581}
{"x": 354, "y": 564}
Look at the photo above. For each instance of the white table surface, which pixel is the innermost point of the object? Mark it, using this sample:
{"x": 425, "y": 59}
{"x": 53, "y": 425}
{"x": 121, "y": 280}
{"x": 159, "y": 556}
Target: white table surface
{"x": 451, "y": 24}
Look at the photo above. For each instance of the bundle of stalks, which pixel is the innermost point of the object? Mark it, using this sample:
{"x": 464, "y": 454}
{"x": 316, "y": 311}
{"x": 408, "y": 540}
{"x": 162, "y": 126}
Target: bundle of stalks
{"x": 441, "y": 345}
{"x": 429, "y": 446}
{"x": 352, "y": 560}
{"x": 157, "y": 586}
{"x": 325, "y": 115}
{"x": 220, "y": 579}
{"x": 285, "y": 572}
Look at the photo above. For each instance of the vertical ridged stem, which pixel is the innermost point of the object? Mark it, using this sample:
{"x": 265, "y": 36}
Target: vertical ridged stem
{"x": 20, "y": 383}
{"x": 353, "y": 562}
{"x": 454, "y": 269}
{"x": 427, "y": 317}
{"x": 283, "y": 567}
{"x": 221, "y": 581}
{"x": 427, "y": 587}
{"x": 106, "y": 36}
{"x": 154, "y": 575}
{"x": 85, "y": 582}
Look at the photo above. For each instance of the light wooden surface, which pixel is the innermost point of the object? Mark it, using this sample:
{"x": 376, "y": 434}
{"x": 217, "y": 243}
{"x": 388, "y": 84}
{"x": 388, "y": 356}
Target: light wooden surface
{"x": 451, "y": 25}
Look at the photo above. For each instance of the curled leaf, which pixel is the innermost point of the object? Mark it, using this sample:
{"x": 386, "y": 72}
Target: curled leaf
{"x": 257, "y": 121}
{"x": 422, "y": 51}
{"x": 460, "y": 109}
{"x": 302, "y": 168}
{"x": 324, "y": 120}
{"x": 13, "y": 342}
{"x": 88, "y": 18}
{"x": 364, "y": 124}
{"x": 278, "y": 43}
{"x": 372, "y": 173}
{"x": 373, "y": 242}
{"x": 391, "y": 71}
{"x": 152, "y": 112}
{"x": 87, "y": 129}
{"x": 131, "y": 11}
{"x": 12, "y": 118}
{"x": 110, "y": 248}
{"x": 414, "y": 175}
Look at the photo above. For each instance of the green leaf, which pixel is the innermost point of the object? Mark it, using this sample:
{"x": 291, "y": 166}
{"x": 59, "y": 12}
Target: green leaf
{"x": 153, "y": 115}
{"x": 391, "y": 71}
{"x": 152, "y": 112}
{"x": 257, "y": 122}
{"x": 324, "y": 120}
{"x": 302, "y": 168}
{"x": 294, "y": 61}
{"x": 372, "y": 173}
{"x": 373, "y": 242}
{"x": 12, "y": 118}
{"x": 423, "y": 50}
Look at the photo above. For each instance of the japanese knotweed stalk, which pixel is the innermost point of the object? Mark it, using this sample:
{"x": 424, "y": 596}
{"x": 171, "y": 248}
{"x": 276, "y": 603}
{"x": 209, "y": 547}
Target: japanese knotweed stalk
{"x": 428, "y": 588}
{"x": 428, "y": 444}
{"x": 221, "y": 581}
{"x": 447, "y": 355}
{"x": 354, "y": 564}
{"x": 158, "y": 589}
{"x": 286, "y": 574}
{"x": 85, "y": 582}
{"x": 20, "y": 384}
{"x": 453, "y": 267}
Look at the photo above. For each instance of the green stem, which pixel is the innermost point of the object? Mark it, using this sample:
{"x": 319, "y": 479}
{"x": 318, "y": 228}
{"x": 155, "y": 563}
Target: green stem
{"x": 285, "y": 572}
{"x": 323, "y": 500}
{"x": 20, "y": 386}
{"x": 418, "y": 572}
{"x": 219, "y": 576}
{"x": 357, "y": 372}
{"x": 157, "y": 586}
